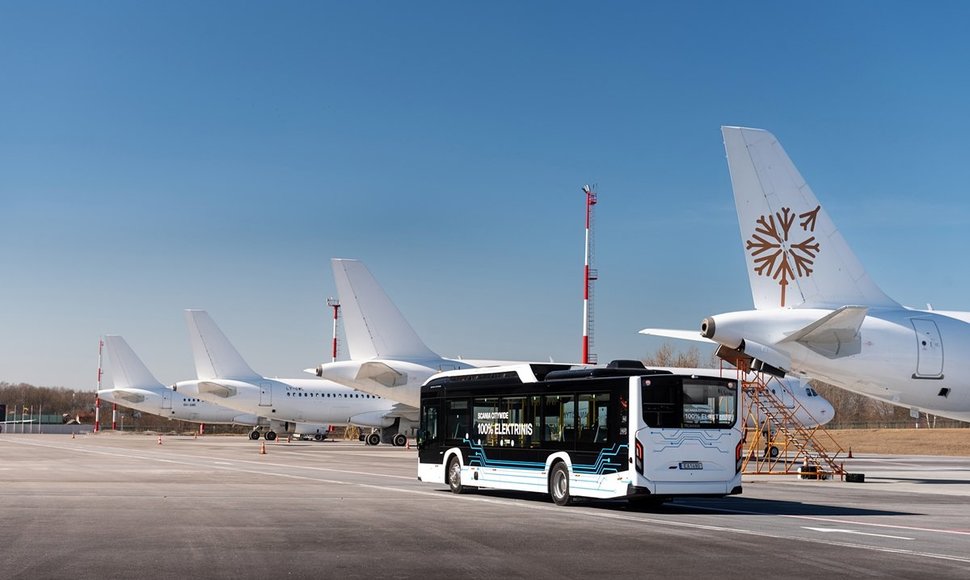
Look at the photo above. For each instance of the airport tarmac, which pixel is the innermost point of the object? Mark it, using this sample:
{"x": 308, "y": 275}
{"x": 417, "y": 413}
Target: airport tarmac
{"x": 110, "y": 505}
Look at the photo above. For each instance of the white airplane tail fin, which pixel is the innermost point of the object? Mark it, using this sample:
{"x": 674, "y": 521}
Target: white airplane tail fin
{"x": 375, "y": 328}
{"x": 795, "y": 255}
{"x": 215, "y": 357}
{"x": 127, "y": 370}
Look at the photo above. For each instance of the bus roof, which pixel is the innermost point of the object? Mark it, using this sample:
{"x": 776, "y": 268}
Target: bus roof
{"x": 537, "y": 372}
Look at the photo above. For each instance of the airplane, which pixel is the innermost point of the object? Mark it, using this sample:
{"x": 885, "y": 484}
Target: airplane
{"x": 225, "y": 378}
{"x": 388, "y": 357}
{"x": 135, "y": 387}
{"x": 817, "y": 311}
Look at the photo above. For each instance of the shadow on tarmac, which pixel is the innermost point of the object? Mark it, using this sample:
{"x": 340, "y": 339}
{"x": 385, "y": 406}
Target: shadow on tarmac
{"x": 723, "y": 505}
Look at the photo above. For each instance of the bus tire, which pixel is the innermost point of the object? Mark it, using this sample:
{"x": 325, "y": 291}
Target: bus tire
{"x": 559, "y": 484}
{"x": 453, "y": 476}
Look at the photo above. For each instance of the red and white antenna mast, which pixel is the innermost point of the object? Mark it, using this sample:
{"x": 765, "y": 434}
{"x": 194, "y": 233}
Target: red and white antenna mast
{"x": 97, "y": 397}
{"x": 589, "y": 276}
{"x": 335, "y": 304}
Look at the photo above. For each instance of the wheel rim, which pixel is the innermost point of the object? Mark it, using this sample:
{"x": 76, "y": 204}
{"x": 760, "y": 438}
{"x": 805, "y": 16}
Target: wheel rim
{"x": 454, "y": 474}
{"x": 559, "y": 484}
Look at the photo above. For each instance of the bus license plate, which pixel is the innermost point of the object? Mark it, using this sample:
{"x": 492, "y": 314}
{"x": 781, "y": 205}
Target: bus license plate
{"x": 691, "y": 465}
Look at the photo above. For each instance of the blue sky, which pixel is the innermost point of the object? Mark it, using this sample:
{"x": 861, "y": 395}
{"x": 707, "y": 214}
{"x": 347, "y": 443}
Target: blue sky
{"x": 216, "y": 155}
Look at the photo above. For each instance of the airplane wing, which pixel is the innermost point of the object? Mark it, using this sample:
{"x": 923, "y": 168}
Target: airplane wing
{"x": 678, "y": 334}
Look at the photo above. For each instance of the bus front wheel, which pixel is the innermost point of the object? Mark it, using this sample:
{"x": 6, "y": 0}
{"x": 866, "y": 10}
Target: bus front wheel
{"x": 454, "y": 476}
{"x": 559, "y": 484}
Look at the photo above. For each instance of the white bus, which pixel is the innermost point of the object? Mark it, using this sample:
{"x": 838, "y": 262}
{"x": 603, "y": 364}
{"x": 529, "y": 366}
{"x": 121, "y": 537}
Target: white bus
{"x": 614, "y": 432}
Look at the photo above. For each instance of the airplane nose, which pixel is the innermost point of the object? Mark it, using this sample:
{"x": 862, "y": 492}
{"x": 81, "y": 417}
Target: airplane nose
{"x": 707, "y": 327}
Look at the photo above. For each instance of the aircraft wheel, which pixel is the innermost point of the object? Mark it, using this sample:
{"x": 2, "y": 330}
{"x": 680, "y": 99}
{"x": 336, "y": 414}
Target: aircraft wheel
{"x": 774, "y": 451}
{"x": 400, "y": 440}
{"x": 271, "y": 435}
{"x": 254, "y": 435}
{"x": 374, "y": 439}
{"x": 559, "y": 484}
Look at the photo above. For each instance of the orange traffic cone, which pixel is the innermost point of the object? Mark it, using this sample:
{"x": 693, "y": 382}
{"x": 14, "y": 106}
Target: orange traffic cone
{"x": 262, "y": 448}
{"x": 408, "y": 445}
{"x": 159, "y": 439}
{"x": 850, "y": 453}
{"x": 72, "y": 434}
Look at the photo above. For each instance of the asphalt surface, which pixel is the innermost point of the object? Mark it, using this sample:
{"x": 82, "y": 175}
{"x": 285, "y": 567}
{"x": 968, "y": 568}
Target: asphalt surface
{"x": 110, "y": 505}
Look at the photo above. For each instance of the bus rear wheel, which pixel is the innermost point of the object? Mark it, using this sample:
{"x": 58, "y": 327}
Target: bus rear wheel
{"x": 559, "y": 484}
{"x": 454, "y": 476}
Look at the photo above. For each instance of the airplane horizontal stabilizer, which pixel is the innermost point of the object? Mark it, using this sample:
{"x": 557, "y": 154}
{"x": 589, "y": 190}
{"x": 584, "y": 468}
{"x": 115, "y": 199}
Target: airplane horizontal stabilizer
{"x": 128, "y": 395}
{"x": 217, "y": 389}
{"x": 678, "y": 334}
{"x": 835, "y": 335}
{"x": 382, "y": 373}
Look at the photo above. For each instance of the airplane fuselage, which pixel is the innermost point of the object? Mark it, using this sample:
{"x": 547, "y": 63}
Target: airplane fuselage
{"x": 295, "y": 400}
{"x": 167, "y": 403}
{"x": 906, "y": 357}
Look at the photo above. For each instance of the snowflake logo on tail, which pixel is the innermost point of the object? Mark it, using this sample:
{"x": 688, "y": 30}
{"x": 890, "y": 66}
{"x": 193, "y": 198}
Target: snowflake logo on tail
{"x": 776, "y": 255}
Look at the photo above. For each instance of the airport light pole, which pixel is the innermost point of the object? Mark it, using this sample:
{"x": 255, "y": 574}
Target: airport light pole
{"x": 335, "y": 304}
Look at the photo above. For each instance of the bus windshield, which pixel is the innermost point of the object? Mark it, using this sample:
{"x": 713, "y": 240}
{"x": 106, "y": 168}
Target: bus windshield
{"x": 692, "y": 403}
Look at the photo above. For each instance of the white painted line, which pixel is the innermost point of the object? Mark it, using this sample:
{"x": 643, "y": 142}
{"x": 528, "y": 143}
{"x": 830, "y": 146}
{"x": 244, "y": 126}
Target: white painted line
{"x": 841, "y": 531}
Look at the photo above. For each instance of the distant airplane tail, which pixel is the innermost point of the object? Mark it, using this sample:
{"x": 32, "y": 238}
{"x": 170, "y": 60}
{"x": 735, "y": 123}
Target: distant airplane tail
{"x": 374, "y": 327}
{"x": 127, "y": 370}
{"x": 215, "y": 357}
{"x": 795, "y": 255}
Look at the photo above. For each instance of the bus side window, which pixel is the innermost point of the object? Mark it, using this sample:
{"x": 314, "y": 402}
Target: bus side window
{"x": 593, "y": 419}
{"x": 559, "y": 419}
{"x": 486, "y": 422}
{"x": 457, "y": 427}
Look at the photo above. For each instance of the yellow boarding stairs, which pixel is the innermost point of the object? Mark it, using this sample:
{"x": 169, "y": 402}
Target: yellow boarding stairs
{"x": 778, "y": 444}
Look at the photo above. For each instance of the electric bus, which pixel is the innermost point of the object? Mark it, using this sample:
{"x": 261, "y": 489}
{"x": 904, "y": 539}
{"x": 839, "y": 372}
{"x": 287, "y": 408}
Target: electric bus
{"x": 622, "y": 431}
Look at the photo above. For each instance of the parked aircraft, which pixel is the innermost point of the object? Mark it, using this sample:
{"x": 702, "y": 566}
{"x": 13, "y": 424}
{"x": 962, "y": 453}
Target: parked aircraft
{"x": 817, "y": 311}
{"x": 135, "y": 387}
{"x": 388, "y": 357}
{"x": 224, "y": 377}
